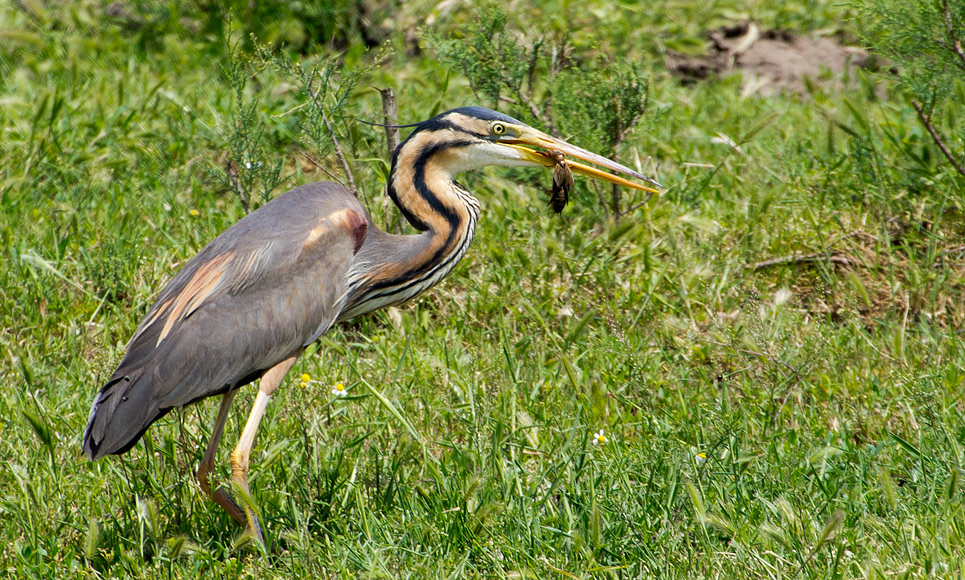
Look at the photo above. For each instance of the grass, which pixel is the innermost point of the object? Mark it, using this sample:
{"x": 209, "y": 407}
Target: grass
{"x": 825, "y": 396}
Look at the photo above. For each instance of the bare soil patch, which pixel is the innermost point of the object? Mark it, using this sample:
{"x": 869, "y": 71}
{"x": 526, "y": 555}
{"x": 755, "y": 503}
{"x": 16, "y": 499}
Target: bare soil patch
{"x": 770, "y": 60}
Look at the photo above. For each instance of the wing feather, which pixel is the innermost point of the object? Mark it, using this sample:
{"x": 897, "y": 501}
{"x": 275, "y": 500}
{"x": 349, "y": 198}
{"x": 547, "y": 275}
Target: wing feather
{"x": 253, "y": 297}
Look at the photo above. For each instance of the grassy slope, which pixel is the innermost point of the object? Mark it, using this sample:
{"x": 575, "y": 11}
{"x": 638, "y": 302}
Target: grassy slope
{"x": 836, "y": 403}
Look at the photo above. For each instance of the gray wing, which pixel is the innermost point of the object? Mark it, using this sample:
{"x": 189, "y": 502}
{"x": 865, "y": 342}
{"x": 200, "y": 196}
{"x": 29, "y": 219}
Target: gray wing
{"x": 256, "y": 295}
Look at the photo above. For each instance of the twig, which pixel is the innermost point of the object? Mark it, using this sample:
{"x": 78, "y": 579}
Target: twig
{"x": 626, "y": 130}
{"x": 926, "y": 121}
{"x": 390, "y": 118}
{"x": 341, "y": 156}
{"x": 853, "y": 234}
{"x": 533, "y": 109}
{"x": 560, "y": 59}
{"x": 743, "y": 45}
{"x": 557, "y": 65}
{"x": 616, "y": 195}
{"x": 640, "y": 204}
{"x": 319, "y": 165}
{"x": 956, "y": 46}
{"x": 509, "y": 100}
{"x": 338, "y": 148}
{"x": 760, "y": 355}
{"x": 232, "y": 172}
{"x": 834, "y": 258}
{"x": 533, "y": 61}
{"x": 951, "y": 250}
{"x": 616, "y": 200}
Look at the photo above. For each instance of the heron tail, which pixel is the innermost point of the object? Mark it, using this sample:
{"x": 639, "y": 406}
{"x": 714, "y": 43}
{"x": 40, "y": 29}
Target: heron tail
{"x": 121, "y": 413}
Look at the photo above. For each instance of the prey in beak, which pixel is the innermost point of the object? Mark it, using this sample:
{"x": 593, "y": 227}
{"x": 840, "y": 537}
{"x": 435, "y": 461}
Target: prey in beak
{"x": 562, "y": 181}
{"x": 538, "y": 148}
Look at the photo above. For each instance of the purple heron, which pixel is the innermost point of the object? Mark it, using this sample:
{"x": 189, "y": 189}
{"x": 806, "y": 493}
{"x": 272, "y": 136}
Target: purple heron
{"x": 246, "y": 306}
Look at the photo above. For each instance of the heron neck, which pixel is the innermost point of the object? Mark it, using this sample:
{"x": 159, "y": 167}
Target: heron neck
{"x": 422, "y": 184}
{"x": 422, "y": 181}
{"x": 390, "y": 269}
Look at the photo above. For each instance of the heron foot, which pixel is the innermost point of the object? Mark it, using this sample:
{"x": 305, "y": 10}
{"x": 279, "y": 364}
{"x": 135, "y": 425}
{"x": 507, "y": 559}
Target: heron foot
{"x": 250, "y": 517}
{"x": 251, "y": 538}
{"x": 254, "y": 530}
{"x": 246, "y": 517}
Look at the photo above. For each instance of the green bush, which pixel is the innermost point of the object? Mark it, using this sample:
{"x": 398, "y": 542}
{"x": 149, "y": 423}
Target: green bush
{"x": 924, "y": 44}
{"x": 545, "y": 81}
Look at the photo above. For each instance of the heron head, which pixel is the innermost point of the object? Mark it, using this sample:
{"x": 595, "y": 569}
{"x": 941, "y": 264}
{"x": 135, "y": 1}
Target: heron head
{"x": 475, "y": 137}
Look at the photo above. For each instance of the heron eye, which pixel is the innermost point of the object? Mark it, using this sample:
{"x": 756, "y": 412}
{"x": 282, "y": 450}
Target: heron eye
{"x": 497, "y": 128}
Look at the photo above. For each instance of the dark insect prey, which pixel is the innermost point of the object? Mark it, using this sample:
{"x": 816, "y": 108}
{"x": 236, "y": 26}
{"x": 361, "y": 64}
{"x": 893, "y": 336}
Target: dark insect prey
{"x": 562, "y": 181}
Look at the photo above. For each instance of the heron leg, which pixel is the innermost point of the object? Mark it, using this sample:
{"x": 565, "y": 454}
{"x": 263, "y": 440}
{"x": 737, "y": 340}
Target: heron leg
{"x": 239, "y": 457}
{"x": 219, "y": 495}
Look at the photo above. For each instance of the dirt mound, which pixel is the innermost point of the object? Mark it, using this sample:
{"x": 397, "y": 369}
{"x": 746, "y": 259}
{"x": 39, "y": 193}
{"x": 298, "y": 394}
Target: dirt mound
{"x": 770, "y": 60}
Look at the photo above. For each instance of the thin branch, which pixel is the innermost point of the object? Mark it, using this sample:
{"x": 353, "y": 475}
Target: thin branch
{"x": 926, "y": 121}
{"x": 557, "y": 65}
{"x": 834, "y": 258}
{"x": 622, "y": 135}
{"x": 533, "y": 109}
{"x": 640, "y": 204}
{"x": 952, "y": 250}
{"x": 320, "y": 166}
{"x": 390, "y": 118}
{"x": 616, "y": 194}
{"x": 338, "y": 148}
{"x": 544, "y": 118}
{"x": 232, "y": 172}
{"x": 956, "y": 46}
{"x": 759, "y": 355}
{"x": 341, "y": 156}
{"x": 533, "y": 62}
{"x": 616, "y": 199}
{"x": 852, "y": 234}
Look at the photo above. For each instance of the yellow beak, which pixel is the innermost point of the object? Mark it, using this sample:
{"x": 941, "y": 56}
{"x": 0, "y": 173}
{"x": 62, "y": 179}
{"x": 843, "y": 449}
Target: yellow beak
{"x": 529, "y": 138}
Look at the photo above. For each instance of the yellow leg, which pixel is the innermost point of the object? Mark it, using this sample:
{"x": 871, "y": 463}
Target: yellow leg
{"x": 239, "y": 457}
{"x": 219, "y": 495}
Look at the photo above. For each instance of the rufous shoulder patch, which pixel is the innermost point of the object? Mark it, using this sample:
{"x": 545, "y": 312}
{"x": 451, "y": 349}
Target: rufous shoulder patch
{"x": 352, "y": 222}
{"x": 356, "y": 224}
